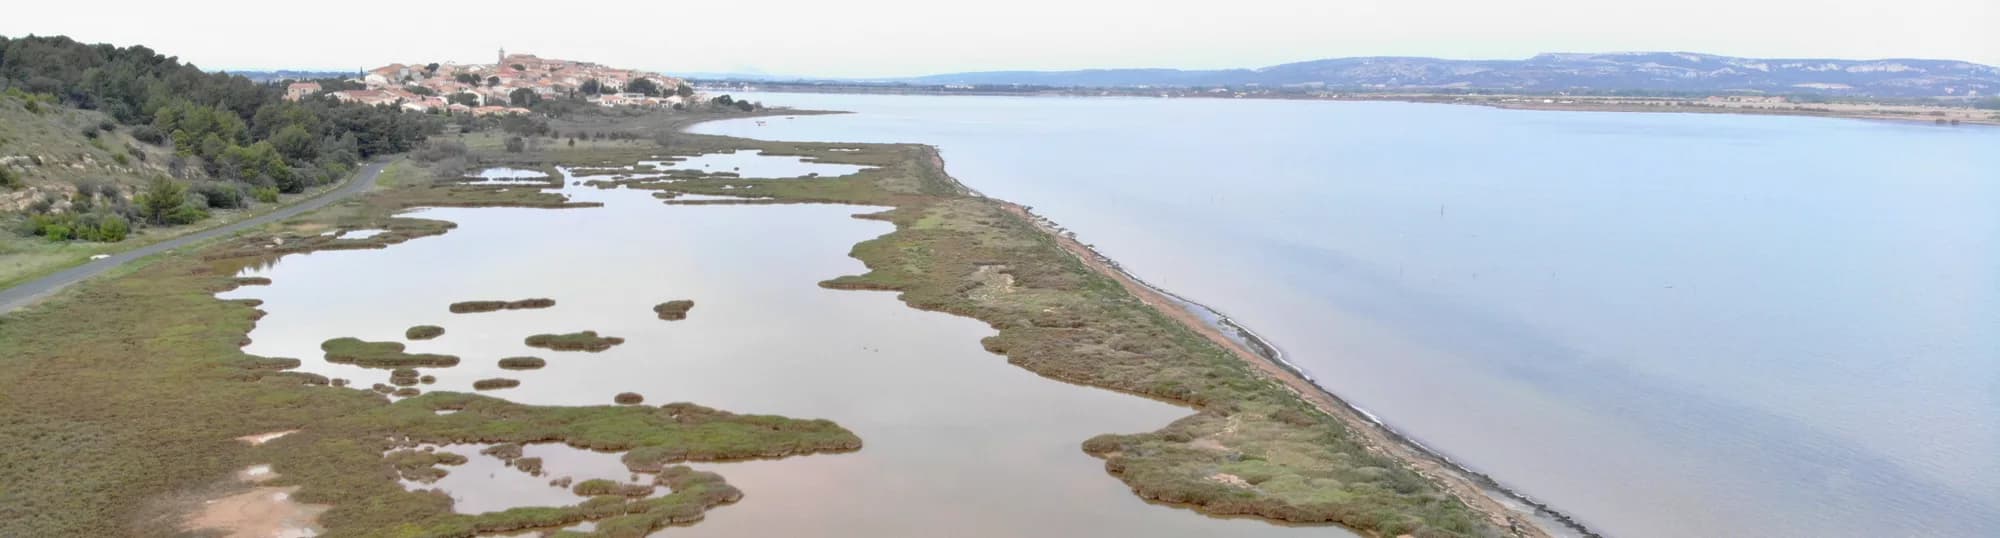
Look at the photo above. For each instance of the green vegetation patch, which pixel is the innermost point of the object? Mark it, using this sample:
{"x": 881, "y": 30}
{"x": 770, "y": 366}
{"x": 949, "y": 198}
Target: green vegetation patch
{"x": 674, "y": 310}
{"x": 523, "y": 363}
{"x": 467, "y": 307}
{"x": 577, "y": 341}
{"x": 628, "y": 398}
{"x": 423, "y": 332}
{"x": 82, "y": 462}
{"x": 349, "y": 350}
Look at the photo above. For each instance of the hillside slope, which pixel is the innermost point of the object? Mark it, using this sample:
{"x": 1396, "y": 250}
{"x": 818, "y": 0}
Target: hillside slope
{"x": 51, "y": 148}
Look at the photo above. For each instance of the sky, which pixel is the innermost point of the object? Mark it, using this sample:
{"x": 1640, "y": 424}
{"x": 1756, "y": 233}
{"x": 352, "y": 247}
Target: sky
{"x": 883, "y": 38}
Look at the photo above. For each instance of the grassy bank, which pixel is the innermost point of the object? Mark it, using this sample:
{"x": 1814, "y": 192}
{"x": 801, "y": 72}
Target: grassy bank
{"x": 121, "y": 401}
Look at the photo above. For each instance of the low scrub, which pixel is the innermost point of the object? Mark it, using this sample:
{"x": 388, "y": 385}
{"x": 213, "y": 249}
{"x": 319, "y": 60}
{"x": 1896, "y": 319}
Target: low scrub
{"x": 628, "y": 398}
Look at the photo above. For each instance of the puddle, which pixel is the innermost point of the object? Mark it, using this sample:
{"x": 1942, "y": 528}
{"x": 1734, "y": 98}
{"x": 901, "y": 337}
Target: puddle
{"x": 360, "y": 234}
{"x": 487, "y": 484}
{"x": 263, "y": 512}
{"x": 958, "y": 442}
{"x": 753, "y": 164}
{"x": 510, "y": 176}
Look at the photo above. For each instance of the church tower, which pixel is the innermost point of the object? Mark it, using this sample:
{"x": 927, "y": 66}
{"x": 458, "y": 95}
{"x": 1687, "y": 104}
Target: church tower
{"x": 502, "y": 60}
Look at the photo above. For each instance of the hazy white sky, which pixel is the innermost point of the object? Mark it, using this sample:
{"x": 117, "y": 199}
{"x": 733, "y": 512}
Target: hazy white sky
{"x": 912, "y": 37}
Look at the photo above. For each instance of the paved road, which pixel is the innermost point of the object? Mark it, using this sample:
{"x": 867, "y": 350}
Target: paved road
{"x": 27, "y": 293}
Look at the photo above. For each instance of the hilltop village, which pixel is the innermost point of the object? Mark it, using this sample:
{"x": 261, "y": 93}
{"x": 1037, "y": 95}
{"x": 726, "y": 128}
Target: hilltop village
{"x": 508, "y": 86}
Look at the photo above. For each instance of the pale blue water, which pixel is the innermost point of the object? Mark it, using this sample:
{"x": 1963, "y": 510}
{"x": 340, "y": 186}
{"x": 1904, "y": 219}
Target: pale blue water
{"x": 1665, "y": 325}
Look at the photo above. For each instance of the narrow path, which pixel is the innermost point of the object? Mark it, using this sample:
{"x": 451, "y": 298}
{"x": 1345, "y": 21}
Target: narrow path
{"x": 29, "y": 292}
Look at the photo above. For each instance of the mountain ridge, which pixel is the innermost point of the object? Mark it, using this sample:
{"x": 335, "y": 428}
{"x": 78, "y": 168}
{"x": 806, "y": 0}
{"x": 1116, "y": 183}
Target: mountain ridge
{"x": 1550, "y": 73}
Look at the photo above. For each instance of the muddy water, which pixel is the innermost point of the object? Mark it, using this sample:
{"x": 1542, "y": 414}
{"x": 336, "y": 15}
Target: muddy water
{"x": 957, "y": 441}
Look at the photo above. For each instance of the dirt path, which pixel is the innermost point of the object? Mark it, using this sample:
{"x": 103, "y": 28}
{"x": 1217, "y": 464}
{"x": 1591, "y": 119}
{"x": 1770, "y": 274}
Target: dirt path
{"x": 1468, "y": 489}
{"x": 29, "y": 292}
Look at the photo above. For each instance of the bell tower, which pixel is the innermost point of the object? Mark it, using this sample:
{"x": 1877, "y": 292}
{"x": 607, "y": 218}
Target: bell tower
{"x": 502, "y": 60}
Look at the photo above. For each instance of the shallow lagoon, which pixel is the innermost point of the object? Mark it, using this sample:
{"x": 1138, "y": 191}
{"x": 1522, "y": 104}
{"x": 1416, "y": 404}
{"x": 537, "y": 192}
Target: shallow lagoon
{"x": 957, "y": 442}
{"x": 1665, "y": 324}
{"x": 754, "y": 164}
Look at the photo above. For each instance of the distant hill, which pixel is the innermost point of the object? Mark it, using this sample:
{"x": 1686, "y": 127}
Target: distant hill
{"x": 286, "y": 74}
{"x": 1669, "y": 72}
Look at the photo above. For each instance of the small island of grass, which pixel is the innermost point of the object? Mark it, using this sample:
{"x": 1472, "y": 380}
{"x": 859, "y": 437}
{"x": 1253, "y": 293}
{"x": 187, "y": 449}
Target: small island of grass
{"x": 495, "y": 383}
{"x": 578, "y": 341}
{"x": 358, "y": 352}
{"x": 523, "y": 363}
{"x": 423, "y": 332}
{"x": 468, "y": 307}
{"x": 628, "y": 398}
{"x": 674, "y": 310}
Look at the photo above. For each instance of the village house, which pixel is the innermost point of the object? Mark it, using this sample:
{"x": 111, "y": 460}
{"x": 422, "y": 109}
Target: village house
{"x": 300, "y": 90}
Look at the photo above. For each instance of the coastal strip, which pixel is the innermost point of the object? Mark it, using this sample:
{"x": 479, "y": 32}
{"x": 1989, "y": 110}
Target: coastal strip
{"x": 1523, "y": 515}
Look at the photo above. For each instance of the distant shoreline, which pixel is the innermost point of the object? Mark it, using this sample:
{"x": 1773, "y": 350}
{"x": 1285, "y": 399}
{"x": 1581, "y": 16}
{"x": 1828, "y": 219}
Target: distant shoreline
{"x": 1942, "y": 116}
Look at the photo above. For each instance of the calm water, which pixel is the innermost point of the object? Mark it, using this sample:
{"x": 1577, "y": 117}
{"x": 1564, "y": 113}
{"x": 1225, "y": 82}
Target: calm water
{"x": 1666, "y": 325}
{"x": 958, "y": 442}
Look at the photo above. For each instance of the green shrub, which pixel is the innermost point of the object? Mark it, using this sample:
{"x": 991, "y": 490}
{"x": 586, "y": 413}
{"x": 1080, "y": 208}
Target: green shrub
{"x": 267, "y": 195}
{"x": 163, "y": 197}
{"x": 9, "y": 178}
{"x": 220, "y": 195}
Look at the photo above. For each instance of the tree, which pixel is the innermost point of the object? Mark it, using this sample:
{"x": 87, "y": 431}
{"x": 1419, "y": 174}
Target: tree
{"x": 519, "y": 67}
{"x": 515, "y": 144}
{"x": 644, "y": 86}
{"x": 161, "y": 198}
{"x": 466, "y": 78}
{"x": 296, "y": 144}
{"x": 464, "y": 98}
{"x": 431, "y": 67}
{"x": 684, "y": 90}
{"x": 493, "y": 81}
{"x": 523, "y": 97}
{"x": 590, "y": 87}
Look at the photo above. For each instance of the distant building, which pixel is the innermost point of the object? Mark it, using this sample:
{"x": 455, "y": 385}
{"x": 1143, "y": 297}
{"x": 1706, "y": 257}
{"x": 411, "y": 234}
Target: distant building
{"x": 300, "y": 90}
